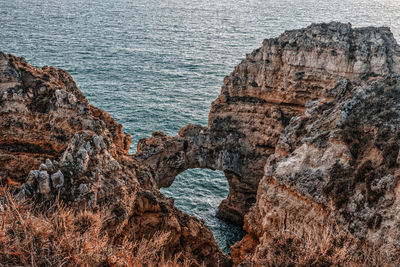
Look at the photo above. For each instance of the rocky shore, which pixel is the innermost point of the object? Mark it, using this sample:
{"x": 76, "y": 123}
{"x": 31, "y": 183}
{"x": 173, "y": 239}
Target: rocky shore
{"x": 306, "y": 129}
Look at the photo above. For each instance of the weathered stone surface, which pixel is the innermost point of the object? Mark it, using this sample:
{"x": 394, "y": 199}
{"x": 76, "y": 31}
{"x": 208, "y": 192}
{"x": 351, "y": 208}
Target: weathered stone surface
{"x": 341, "y": 155}
{"x": 43, "y": 183}
{"x": 317, "y": 108}
{"x": 60, "y": 147}
{"x": 274, "y": 83}
{"x": 259, "y": 98}
{"x": 57, "y": 179}
{"x": 313, "y": 114}
{"x": 196, "y": 147}
{"x": 41, "y": 109}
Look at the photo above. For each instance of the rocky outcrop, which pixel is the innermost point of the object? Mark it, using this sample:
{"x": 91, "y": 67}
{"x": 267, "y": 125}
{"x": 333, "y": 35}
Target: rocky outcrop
{"x": 198, "y": 147}
{"x": 274, "y": 83}
{"x": 41, "y": 110}
{"x": 259, "y": 98}
{"x": 63, "y": 149}
{"x": 306, "y": 130}
{"x": 337, "y": 163}
{"x": 314, "y": 112}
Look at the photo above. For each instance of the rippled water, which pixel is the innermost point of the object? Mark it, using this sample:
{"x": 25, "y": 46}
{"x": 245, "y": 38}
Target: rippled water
{"x": 158, "y": 65}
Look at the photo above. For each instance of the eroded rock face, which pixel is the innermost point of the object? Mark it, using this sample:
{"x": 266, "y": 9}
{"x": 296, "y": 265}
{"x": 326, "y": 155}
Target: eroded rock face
{"x": 197, "y": 147}
{"x": 274, "y": 83}
{"x": 259, "y": 98}
{"x": 313, "y": 114}
{"x": 337, "y": 162}
{"x": 60, "y": 147}
{"x": 342, "y": 156}
{"x": 41, "y": 110}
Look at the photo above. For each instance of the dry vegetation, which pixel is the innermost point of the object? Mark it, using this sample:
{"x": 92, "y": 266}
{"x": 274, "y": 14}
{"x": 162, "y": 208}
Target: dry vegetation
{"x": 319, "y": 248}
{"x": 30, "y": 236}
{"x": 318, "y": 244}
{"x": 59, "y": 236}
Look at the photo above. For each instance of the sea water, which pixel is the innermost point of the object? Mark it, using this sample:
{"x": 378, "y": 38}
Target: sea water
{"x": 158, "y": 64}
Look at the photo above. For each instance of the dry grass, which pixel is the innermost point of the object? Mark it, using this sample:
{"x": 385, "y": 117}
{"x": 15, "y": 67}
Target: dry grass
{"x": 314, "y": 246}
{"x": 317, "y": 244}
{"x": 59, "y": 236}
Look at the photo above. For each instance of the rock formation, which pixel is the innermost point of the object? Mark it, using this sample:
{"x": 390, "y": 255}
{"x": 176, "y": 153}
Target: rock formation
{"x": 336, "y": 163}
{"x": 62, "y": 148}
{"x": 306, "y": 129}
{"x": 259, "y": 98}
{"x": 303, "y": 111}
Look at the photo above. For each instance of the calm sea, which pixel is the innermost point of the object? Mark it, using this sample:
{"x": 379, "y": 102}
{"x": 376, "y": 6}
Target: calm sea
{"x": 158, "y": 64}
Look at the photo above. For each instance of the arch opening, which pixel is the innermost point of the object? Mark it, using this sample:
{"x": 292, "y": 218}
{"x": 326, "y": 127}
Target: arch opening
{"x": 199, "y": 192}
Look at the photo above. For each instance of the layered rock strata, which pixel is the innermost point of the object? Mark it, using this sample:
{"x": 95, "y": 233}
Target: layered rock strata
{"x": 314, "y": 112}
{"x": 259, "y": 98}
{"x": 305, "y": 129}
{"x": 336, "y": 164}
{"x": 41, "y": 110}
{"x": 63, "y": 149}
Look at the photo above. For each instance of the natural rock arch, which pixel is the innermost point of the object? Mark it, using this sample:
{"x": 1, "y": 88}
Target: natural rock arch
{"x": 259, "y": 98}
{"x": 197, "y": 147}
{"x": 327, "y": 63}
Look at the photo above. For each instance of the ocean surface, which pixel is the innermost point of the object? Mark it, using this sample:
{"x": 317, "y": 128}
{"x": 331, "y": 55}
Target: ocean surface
{"x": 158, "y": 64}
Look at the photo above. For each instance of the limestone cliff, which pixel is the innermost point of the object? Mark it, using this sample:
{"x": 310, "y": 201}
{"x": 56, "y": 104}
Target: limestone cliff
{"x": 259, "y": 98}
{"x": 41, "y": 111}
{"x": 334, "y": 163}
{"x": 314, "y": 112}
{"x": 64, "y": 150}
{"x": 306, "y": 130}
{"x": 274, "y": 83}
